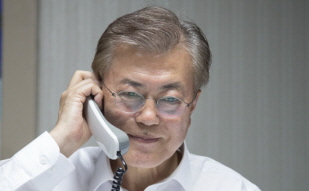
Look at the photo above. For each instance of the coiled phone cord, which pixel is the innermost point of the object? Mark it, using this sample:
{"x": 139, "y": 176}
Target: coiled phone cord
{"x": 119, "y": 174}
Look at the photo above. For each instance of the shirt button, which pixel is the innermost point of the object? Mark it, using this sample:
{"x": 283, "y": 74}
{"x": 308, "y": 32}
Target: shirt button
{"x": 43, "y": 160}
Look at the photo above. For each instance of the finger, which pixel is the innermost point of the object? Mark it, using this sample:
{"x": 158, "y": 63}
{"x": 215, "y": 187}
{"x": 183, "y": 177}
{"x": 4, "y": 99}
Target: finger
{"x": 80, "y": 76}
{"x": 85, "y": 88}
{"x": 98, "y": 98}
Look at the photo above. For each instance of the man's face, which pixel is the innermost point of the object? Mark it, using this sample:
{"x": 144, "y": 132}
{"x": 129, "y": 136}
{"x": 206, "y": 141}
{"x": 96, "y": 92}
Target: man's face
{"x": 153, "y": 138}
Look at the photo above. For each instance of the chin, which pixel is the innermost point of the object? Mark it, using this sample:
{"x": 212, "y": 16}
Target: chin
{"x": 142, "y": 160}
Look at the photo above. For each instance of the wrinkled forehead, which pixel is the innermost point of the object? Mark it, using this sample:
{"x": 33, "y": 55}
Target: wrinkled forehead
{"x": 174, "y": 58}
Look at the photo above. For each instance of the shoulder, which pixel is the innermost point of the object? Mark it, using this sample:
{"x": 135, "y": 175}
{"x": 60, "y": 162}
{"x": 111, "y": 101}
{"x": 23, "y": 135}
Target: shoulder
{"x": 207, "y": 172}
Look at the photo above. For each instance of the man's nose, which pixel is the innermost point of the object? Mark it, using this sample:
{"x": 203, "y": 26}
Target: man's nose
{"x": 148, "y": 114}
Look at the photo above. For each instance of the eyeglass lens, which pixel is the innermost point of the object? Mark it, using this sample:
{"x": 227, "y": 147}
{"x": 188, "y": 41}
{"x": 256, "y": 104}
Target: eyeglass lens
{"x": 129, "y": 101}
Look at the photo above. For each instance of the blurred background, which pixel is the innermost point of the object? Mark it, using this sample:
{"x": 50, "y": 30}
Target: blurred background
{"x": 253, "y": 115}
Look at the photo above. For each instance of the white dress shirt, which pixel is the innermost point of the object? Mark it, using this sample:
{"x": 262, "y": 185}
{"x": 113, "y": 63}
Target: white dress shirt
{"x": 40, "y": 166}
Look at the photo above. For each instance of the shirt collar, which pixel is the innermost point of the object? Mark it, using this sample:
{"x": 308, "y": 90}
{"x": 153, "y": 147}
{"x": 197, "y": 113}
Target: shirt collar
{"x": 103, "y": 173}
{"x": 182, "y": 174}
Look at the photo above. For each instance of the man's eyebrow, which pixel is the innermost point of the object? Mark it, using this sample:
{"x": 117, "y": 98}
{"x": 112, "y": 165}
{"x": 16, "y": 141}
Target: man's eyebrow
{"x": 131, "y": 83}
{"x": 172, "y": 86}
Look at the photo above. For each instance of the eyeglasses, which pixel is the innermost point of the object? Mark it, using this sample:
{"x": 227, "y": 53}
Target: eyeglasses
{"x": 132, "y": 102}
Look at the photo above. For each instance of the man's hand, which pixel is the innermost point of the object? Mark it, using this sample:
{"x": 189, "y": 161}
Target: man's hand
{"x": 71, "y": 130}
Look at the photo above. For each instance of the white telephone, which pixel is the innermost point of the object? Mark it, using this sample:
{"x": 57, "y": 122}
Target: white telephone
{"x": 109, "y": 138}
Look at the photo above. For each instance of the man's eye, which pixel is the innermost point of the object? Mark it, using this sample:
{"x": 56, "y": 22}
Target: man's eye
{"x": 131, "y": 93}
{"x": 170, "y": 100}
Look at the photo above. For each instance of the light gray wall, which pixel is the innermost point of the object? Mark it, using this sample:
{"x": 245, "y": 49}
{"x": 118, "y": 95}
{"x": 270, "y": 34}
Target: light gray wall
{"x": 253, "y": 115}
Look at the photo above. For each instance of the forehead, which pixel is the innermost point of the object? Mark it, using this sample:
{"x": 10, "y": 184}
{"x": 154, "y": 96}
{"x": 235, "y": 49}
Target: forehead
{"x": 140, "y": 65}
{"x": 126, "y": 55}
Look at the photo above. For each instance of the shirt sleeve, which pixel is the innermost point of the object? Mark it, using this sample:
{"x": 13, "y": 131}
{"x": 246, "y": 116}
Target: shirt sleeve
{"x": 38, "y": 166}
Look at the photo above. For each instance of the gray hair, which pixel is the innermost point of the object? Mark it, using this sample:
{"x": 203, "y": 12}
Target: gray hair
{"x": 157, "y": 30}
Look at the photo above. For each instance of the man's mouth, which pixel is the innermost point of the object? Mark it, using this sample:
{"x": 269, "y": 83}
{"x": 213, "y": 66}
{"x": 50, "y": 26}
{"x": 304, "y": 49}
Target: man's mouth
{"x": 143, "y": 139}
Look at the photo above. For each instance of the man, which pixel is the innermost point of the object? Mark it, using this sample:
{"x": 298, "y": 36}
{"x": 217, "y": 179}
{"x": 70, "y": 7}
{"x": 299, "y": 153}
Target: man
{"x": 160, "y": 62}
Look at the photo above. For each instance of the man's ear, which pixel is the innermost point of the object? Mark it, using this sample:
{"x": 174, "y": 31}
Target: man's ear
{"x": 193, "y": 105}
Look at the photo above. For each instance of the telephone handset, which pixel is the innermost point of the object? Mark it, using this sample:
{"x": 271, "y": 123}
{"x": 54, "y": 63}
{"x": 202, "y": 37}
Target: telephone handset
{"x": 109, "y": 138}
{"x": 112, "y": 140}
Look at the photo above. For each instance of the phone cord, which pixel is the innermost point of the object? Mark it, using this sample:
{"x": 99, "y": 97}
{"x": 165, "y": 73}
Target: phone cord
{"x": 119, "y": 174}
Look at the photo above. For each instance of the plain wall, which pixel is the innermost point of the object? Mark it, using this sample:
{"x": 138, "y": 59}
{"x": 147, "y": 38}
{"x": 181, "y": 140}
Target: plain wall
{"x": 19, "y": 79}
{"x": 253, "y": 114}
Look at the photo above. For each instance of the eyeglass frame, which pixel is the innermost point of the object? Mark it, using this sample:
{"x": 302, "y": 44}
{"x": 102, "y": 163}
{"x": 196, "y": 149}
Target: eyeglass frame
{"x": 156, "y": 100}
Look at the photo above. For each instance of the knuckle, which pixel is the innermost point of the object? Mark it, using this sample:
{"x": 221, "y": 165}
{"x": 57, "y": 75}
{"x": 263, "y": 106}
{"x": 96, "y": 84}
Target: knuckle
{"x": 64, "y": 94}
{"x": 67, "y": 94}
{"x": 77, "y": 72}
{"x": 91, "y": 82}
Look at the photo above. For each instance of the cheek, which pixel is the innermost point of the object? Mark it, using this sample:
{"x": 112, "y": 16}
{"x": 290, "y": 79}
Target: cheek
{"x": 112, "y": 114}
{"x": 177, "y": 132}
